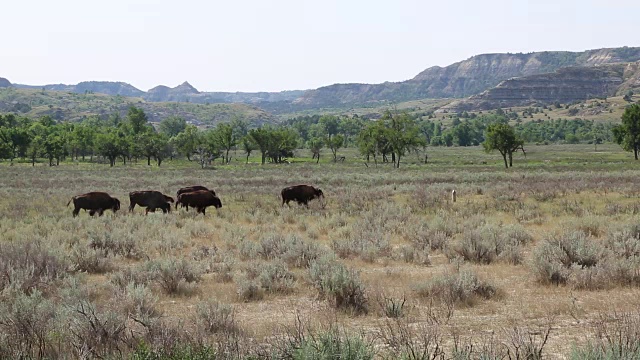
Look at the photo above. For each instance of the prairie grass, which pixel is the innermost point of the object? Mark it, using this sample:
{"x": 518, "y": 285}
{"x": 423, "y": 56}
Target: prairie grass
{"x": 556, "y": 238}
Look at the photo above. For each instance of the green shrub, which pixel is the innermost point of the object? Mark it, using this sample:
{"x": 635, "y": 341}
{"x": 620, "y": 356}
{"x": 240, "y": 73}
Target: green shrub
{"x": 461, "y": 287}
{"x": 29, "y": 266}
{"x": 214, "y": 317}
{"x": 175, "y": 276}
{"x": 343, "y": 286}
{"x": 276, "y": 278}
{"x": 249, "y": 289}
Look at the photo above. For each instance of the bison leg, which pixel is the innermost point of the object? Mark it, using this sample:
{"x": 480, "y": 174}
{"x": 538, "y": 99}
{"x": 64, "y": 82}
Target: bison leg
{"x": 75, "y": 212}
{"x": 204, "y": 210}
{"x": 92, "y": 212}
{"x": 131, "y": 206}
{"x": 100, "y": 212}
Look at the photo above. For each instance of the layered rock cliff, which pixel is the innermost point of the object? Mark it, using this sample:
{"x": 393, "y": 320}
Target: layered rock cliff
{"x": 565, "y": 85}
{"x": 464, "y": 78}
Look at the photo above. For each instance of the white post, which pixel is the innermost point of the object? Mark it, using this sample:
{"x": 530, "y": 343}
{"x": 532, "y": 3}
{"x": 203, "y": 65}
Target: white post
{"x": 453, "y": 195}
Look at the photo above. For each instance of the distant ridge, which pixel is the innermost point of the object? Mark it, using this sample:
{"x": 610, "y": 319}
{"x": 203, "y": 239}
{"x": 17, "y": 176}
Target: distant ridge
{"x": 459, "y": 80}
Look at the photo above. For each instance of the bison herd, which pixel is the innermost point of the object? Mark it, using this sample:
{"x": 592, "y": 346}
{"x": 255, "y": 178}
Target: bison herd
{"x": 198, "y": 197}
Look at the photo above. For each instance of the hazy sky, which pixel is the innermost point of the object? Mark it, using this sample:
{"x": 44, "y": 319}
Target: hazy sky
{"x": 260, "y": 45}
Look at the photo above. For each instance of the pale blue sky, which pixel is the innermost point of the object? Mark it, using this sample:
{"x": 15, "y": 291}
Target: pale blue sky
{"x": 258, "y": 45}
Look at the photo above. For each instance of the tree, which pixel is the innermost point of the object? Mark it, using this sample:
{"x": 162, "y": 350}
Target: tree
{"x": 368, "y": 142}
{"x": 403, "y": 135}
{"x": 503, "y": 138}
{"x": 627, "y": 134}
{"x": 137, "y": 119}
{"x": 172, "y": 126}
{"x": 334, "y": 143}
{"x": 248, "y": 145}
{"x": 38, "y": 135}
{"x": 111, "y": 144}
{"x": 225, "y": 138}
{"x": 154, "y": 145}
{"x": 187, "y": 141}
{"x": 315, "y": 145}
{"x": 261, "y": 138}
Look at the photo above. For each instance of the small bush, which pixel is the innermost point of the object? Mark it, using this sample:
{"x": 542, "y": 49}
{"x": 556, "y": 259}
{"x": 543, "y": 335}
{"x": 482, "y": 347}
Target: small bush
{"x": 490, "y": 243}
{"x": 249, "y": 289}
{"x": 136, "y": 275}
{"x": 276, "y": 278}
{"x": 615, "y": 336}
{"x": 26, "y": 322}
{"x": 93, "y": 261}
{"x": 326, "y": 344}
{"x": 97, "y": 333}
{"x": 175, "y": 276}
{"x": 29, "y": 266}
{"x": 214, "y": 317}
{"x": 577, "y": 247}
{"x": 461, "y": 287}
{"x": 141, "y": 304}
{"x": 341, "y": 285}
{"x": 546, "y": 265}
{"x": 122, "y": 244}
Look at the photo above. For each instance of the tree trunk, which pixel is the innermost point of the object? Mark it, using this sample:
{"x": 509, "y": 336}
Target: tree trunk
{"x": 264, "y": 157}
{"x": 398, "y": 162}
{"x": 318, "y": 155}
{"x": 504, "y": 156}
{"x": 188, "y": 156}
{"x": 635, "y": 152}
{"x": 393, "y": 157}
{"x": 247, "y": 158}
{"x": 510, "y": 159}
{"x": 148, "y": 160}
{"x": 227, "y": 161}
{"x": 159, "y": 161}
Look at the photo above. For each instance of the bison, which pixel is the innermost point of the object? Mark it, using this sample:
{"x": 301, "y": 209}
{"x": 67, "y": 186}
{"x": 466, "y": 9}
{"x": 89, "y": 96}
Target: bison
{"x": 150, "y": 199}
{"x": 200, "y": 200}
{"x": 94, "y": 202}
{"x": 301, "y": 194}
{"x": 189, "y": 189}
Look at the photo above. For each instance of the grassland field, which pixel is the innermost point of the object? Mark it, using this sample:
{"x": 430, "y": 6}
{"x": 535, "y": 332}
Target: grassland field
{"x": 550, "y": 245}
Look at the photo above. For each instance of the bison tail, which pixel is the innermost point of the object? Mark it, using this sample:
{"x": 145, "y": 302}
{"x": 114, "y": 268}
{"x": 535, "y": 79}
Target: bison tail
{"x": 69, "y": 201}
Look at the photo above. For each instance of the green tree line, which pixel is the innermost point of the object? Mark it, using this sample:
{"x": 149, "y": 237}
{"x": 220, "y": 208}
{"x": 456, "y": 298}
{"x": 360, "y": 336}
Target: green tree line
{"x": 386, "y": 139}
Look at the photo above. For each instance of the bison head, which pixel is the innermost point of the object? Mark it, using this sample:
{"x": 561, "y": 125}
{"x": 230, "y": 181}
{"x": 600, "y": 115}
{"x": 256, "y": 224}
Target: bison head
{"x": 320, "y": 195}
{"x": 116, "y": 205}
{"x": 168, "y": 198}
{"x": 216, "y": 202}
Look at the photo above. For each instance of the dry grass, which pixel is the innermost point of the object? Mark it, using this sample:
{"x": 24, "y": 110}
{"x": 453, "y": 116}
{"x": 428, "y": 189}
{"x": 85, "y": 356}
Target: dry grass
{"x": 388, "y": 246}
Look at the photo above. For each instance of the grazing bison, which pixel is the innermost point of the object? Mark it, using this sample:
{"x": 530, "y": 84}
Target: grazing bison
{"x": 150, "y": 199}
{"x": 200, "y": 200}
{"x": 192, "y": 189}
{"x": 301, "y": 194}
{"x": 189, "y": 189}
{"x": 94, "y": 202}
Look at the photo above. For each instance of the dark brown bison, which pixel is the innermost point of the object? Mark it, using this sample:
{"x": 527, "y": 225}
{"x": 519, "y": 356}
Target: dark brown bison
{"x": 200, "y": 199}
{"x": 189, "y": 189}
{"x": 301, "y": 194}
{"x": 94, "y": 202}
{"x": 150, "y": 199}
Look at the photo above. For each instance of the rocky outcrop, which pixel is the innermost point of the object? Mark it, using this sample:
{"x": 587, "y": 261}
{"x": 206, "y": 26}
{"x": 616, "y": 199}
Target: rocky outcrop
{"x": 108, "y": 87}
{"x": 4, "y": 83}
{"x": 566, "y": 85}
{"x": 464, "y": 78}
{"x": 99, "y": 87}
